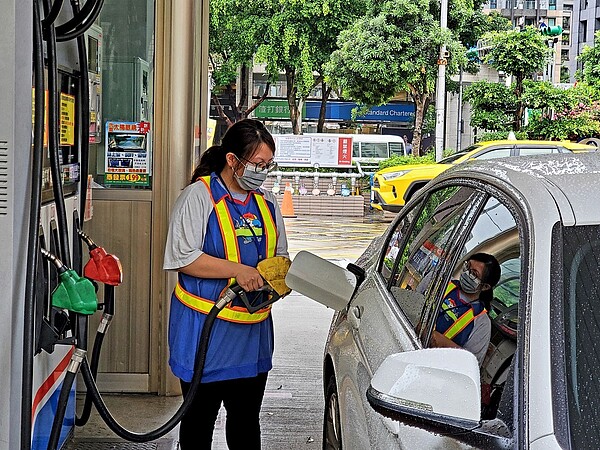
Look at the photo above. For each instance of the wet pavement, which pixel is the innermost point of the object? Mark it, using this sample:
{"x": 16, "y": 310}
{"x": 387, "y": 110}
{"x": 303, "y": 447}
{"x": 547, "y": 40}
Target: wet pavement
{"x": 292, "y": 412}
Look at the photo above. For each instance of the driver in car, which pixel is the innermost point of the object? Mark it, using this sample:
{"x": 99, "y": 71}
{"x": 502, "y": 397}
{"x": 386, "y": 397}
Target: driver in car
{"x": 463, "y": 320}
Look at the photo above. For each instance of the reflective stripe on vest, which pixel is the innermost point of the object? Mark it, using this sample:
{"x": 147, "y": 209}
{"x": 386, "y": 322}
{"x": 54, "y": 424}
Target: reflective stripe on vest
{"x": 237, "y": 314}
{"x": 269, "y": 230}
{"x": 230, "y": 242}
{"x": 460, "y": 323}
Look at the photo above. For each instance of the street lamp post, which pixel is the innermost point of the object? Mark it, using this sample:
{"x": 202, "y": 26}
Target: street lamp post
{"x": 440, "y": 89}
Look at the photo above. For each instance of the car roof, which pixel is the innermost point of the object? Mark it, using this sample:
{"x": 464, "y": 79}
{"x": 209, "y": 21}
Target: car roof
{"x": 566, "y": 144}
{"x": 571, "y": 176}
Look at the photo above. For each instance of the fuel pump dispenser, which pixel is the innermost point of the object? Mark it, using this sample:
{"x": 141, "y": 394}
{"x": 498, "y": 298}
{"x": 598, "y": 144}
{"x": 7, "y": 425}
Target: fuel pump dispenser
{"x": 57, "y": 298}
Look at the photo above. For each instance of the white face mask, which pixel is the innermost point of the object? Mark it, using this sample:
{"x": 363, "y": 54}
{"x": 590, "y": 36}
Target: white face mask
{"x": 250, "y": 180}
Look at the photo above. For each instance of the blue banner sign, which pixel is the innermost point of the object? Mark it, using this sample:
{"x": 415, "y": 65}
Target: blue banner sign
{"x": 392, "y": 112}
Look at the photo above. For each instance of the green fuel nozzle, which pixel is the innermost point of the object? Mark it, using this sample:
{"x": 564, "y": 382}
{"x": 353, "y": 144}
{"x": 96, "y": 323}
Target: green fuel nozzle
{"x": 73, "y": 292}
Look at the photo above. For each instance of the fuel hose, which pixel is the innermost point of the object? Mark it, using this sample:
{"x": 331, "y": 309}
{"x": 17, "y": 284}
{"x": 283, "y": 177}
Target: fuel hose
{"x": 109, "y": 311}
{"x": 33, "y": 234}
{"x": 173, "y": 421}
{"x": 79, "y": 360}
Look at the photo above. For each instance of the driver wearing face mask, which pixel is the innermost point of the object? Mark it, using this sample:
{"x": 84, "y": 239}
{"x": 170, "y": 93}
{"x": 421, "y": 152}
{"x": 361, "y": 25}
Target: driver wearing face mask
{"x": 463, "y": 320}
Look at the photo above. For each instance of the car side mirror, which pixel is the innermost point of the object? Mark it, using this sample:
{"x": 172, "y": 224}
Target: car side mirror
{"x": 435, "y": 382}
{"x": 321, "y": 280}
{"x": 437, "y": 389}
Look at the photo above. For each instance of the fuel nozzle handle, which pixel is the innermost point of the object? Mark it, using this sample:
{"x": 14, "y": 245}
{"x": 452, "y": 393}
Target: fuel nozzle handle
{"x": 102, "y": 266}
{"x": 72, "y": 292}
{"x": 230, "y": 293}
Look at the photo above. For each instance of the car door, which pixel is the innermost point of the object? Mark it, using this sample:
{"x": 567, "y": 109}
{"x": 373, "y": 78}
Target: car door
{"x": 384, "y": 315}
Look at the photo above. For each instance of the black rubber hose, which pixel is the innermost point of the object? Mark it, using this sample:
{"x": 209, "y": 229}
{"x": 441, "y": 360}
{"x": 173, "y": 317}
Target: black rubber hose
{"x": 53, "y": 14}
{"x": 173, "y": 421}
{"x": 65, "y": 391}
{"x": 109, "y": 308}
{"x": 84, "y": 95}
{"x": 61, "y": 408}
{"x": 33, "y": 235}
{"x": 83, "y": 26}
{"x": 87, "y": 406}
{"x": 78, "y": 18}
{"x": 53, "y": 141}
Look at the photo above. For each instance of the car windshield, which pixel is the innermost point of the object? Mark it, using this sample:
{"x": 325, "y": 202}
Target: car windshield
{"x": 581, "y": 291}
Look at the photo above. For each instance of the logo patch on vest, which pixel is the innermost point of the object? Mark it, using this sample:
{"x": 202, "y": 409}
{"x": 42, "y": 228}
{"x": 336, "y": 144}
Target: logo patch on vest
{"x": 247, "y": 227}
{"x": 450, "y": 302}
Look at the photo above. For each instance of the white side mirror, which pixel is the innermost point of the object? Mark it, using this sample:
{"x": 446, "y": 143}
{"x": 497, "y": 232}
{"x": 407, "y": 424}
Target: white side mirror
{"x": 321, "y": 280}
{"x": 440, "y": 381}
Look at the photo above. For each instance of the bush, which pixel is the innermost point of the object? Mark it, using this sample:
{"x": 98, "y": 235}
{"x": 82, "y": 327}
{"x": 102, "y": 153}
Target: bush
{"x": 429, "y": 158}
{"x": 500, "y": 135}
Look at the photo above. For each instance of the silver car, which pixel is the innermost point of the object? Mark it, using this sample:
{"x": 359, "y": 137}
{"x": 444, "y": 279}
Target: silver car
{"x": 537, "y": 386}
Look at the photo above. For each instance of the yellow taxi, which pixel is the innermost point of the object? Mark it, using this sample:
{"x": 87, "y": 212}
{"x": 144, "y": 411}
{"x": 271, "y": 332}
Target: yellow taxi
{"x": 394, "y": 186}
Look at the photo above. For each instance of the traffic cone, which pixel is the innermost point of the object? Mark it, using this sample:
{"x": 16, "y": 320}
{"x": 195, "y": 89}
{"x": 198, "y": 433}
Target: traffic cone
{"x": 287, "y": 206}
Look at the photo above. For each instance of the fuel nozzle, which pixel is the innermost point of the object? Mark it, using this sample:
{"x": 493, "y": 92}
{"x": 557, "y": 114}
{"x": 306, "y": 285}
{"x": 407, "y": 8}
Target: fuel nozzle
{"x": 73, "y": 292}
{"x": 102, "y": 266}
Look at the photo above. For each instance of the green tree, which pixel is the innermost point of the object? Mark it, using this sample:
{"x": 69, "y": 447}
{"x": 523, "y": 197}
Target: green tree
{"x": 561, "y": 113}
{"x": 493, "y": 105}
{"x": 299, "y": 40}
{"x": 236, "y": 28}
{"x": 395, "y": 49}
{"x": 590, "y": 60}
{"x": 521, "y": 54}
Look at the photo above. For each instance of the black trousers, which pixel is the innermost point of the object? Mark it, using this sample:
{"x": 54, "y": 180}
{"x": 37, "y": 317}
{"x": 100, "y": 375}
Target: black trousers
{"x": 242, "y": 399}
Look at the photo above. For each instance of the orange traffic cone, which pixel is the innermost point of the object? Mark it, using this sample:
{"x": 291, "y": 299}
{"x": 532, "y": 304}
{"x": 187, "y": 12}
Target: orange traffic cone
{"x": 287, "y": 206}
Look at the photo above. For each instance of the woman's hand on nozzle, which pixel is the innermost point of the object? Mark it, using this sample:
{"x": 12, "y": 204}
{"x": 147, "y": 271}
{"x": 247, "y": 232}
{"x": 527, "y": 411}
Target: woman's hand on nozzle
{"x": 249, "y": 278}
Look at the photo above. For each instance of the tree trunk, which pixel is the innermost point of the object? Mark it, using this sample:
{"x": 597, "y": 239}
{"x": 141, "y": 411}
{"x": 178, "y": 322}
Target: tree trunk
{"x": 221, "y": 111}
{"x": 257, "y": 103}
{"x": 243, "y": 87}
{"x": 422, "y": 101}
{"x": 295, "y": 112}
{"x": 325, "y": 96}
{"x": 520, "y": 111}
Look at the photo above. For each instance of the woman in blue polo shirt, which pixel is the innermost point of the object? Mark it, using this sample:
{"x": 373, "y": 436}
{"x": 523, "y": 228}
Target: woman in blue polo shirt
{"x": 221, "y": 226}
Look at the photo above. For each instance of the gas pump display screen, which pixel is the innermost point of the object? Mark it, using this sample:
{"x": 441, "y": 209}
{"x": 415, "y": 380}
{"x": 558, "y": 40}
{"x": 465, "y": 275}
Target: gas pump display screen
{"x": 127, "y": 160}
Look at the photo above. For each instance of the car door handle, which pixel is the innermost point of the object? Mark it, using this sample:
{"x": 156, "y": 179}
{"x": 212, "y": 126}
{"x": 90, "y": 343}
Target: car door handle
{"x": 354, "y": 316}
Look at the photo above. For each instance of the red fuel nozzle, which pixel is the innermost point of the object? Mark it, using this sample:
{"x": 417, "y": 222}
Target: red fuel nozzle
{"x": 103, "y": 267}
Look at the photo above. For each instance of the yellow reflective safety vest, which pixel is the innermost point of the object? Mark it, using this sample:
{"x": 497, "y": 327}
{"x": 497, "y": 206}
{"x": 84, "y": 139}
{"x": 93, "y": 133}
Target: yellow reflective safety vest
{"x": 247, "y": 233}
{"x": 455, "y": 321}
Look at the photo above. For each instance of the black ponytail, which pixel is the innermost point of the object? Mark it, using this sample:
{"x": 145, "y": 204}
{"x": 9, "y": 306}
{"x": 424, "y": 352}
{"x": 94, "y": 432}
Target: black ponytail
{"x": 212, "y": 160}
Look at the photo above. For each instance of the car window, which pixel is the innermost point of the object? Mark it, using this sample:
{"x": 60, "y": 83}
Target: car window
{"x": 491, "y": 332}
{"x": 397, "y": 238}
{"x": 500, "y": 152}
{"x": 581, "y": 291}
{"x": 430, "y": 236}
{"x": 525, "y": 151}
{"x": 374, "y": 150}
{"x": 452, "y": 158}
{"x": 396, "y": 148}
